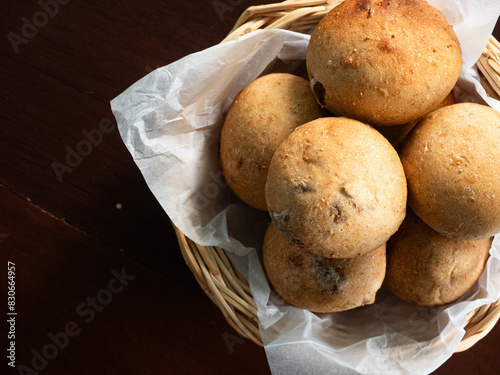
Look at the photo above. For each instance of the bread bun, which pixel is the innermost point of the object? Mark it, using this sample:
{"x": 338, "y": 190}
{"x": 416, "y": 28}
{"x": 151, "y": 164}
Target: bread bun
{"x": 336, "y": 187}
{"x": 452, "y": 160}
{"x": 260, "y": 118}
{"x": 319, "y": 284}
{"x": 383, "y": 62}
{"x": 426, "y": 268}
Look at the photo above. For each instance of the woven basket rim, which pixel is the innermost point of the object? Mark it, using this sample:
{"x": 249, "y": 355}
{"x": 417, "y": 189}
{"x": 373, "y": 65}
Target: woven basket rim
{"x": 213, "y": 270}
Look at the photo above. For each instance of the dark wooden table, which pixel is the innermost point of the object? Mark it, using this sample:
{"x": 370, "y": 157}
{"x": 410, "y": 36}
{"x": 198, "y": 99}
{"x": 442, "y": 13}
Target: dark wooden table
{"x": 101, "y": 287}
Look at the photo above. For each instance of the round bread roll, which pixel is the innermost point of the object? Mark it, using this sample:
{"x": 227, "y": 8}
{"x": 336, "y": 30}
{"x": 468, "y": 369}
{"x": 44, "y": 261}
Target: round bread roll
{"x": 426, "y": 268}
{"x": 262, "y": 115}
{"x": 383, "y": 62}
{"x": 452, "y": 160}
{"x": 397, "y": 134}
{"x": 319, "y": 284}
{"x": 336, "y": 187}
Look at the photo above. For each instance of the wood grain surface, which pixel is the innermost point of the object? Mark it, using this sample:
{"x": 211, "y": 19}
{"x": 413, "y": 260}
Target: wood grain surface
{"x": 101, "y": 287}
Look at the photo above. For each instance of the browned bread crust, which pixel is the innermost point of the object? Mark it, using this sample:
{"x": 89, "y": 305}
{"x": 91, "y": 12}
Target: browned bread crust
{"x": 426, "y": 268}
{"x": 319, "y": 284}
{"x": 262, "y": 115}
{"x": 397, "y": 134}
{"x": 452, "y": 163}
{"x": 384, "y": 62}
{"x": 336, "y": 187}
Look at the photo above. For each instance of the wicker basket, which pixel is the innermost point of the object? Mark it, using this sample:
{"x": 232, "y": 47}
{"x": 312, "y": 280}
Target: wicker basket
{"x": 210, "y": 265}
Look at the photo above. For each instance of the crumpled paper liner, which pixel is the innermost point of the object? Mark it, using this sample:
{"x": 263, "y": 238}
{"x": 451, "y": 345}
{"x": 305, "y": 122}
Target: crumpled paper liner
{"x": 170, "y": 121}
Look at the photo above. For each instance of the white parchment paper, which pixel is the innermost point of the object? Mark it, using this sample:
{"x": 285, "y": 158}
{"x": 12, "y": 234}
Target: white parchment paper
{"x": 170, "y": 121}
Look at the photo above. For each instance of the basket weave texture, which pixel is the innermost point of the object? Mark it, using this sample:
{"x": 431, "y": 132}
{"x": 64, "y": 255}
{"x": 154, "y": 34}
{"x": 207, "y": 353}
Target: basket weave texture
{"x": 213, "y": 270}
